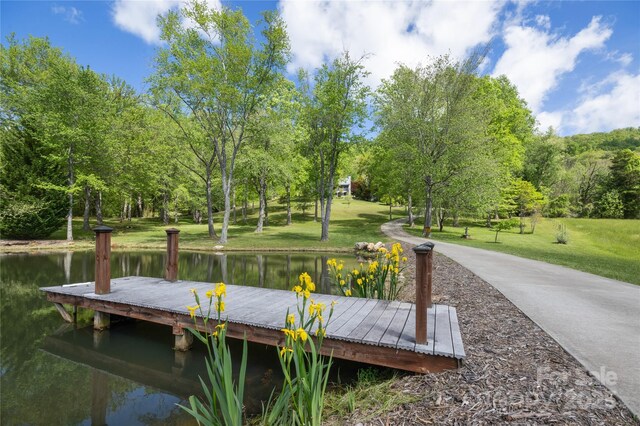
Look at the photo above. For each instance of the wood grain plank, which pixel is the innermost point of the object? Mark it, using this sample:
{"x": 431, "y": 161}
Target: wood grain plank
{"x": 456, "y": 337}
{"x": 394, "y": 331}
{"x": 344, "y": 311}
{"x": 380, "y": 327}
{"x": 443, "y": 344}
{"x": 377, "y": 332}
{"x": 369, "y": 321}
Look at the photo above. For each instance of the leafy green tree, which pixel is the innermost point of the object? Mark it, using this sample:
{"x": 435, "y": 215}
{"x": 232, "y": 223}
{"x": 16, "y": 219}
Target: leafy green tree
{"x": 625, "y": 179}
{"x": 61, "y": 106}
{"x": 436, "y": 121}
{"x": 270, "y": 158}
{"x": 221, "y": 76}
{"x": 610, "y": 205}
{"x": 504, "y": 225}
{"x": 335, "y": 105}
{"x": 523, "y": 199}
{"x": 544, "y": 160}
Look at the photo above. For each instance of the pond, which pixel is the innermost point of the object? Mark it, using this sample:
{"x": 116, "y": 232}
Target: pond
{"x": 53, "y": 373}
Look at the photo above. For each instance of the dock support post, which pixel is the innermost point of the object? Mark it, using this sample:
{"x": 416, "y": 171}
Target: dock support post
{"x": 424, "y": 272}
{"x": 171, "y": 271}
{"x": 101, "y": 320}
{"x": 183, "y": 339}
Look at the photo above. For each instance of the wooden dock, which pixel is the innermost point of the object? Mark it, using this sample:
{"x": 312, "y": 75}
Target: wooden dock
{"x": 371, "y": 331}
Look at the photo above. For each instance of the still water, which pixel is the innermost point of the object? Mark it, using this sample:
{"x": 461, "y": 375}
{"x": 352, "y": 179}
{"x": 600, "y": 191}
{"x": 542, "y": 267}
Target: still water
{"x": 52, "y": 373}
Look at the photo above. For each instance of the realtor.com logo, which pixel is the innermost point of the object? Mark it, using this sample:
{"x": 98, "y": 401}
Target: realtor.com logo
{"x": 572, "y": 382}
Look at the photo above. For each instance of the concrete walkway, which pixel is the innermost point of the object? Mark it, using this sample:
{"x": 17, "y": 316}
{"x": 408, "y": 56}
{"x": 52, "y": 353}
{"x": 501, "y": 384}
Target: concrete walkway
{"x": 596, "y": 319}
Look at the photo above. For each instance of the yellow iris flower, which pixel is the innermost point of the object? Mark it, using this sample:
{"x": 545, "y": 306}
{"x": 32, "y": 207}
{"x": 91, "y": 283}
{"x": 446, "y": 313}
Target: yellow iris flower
{"x": 302, "y": 334}
{"x": 221, "y": 290}
{"x": 192, "y": 310}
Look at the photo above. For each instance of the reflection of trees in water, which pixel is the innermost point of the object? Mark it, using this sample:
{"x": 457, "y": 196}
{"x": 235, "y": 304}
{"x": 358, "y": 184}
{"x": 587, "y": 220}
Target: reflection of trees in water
{"x": 62, "y": 390}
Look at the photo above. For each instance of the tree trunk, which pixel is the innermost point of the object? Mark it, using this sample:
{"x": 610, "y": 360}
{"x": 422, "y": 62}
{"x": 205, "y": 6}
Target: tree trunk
{"x": 288, "y": 189}
{"x": 165, "y": 207}
{"x": 456, "y": 219}
{"x": 245, "y": 203}
{"x": 87, "y": 208}
{"x": 212, "y": 232}
{"x": 489, "y": 220}
{"x": 140, "y": 211}
{"x": 315, "y": 211}
{"x": 327, "y": 213}
{"x": 428, "y": 219}
{"x": 262, "y": 201}
{"x": 175, "y": 210}
{"x": 99, "y": 208}
{"x": 409, "y": 211}
{"x": 129, "y": 211}
{"x": 390, "y": 205}
{"x": 441, "y": 216}
{"x": 71, "y": 183}
{"x": 234, "y": 206}
{"x": 226, "y": 189}
{"x": 266, "y": 207}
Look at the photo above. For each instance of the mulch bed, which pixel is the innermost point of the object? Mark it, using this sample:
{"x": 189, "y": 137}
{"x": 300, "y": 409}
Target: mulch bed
{"x": 514, "y": 372}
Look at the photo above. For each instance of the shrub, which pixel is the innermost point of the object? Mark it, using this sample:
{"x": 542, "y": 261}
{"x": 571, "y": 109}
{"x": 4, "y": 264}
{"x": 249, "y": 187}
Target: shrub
{"x": 29, "y": 218}
{"x": 562, "y": 235}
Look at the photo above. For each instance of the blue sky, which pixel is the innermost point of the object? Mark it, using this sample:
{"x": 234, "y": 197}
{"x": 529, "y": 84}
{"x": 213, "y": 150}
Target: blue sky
{"x": 576, "y": 63}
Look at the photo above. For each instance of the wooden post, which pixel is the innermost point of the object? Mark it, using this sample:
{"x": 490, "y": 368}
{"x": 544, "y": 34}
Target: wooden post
{"x": 183, "y": 339}
{"x": 101, "y": 320}
{"x": 103, "y": 259}
{"x": 171, "y": 272}
{"x": 424, "y": 269}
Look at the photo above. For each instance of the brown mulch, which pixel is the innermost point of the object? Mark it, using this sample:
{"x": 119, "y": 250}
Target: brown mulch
{"x": 514, "y": 373}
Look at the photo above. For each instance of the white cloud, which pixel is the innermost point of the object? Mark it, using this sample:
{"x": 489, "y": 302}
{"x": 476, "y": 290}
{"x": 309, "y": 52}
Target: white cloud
{"x": 535, "y": 59}
{"x": 550, "y": 119}
{"x": 609, "y": 104}
{"x": 70, "y": 14}
{"x": 139, "y": 16}
{"x": 392, "y": 32}
{"x": 543, "y": 21}
{"x": 612, "y": 104}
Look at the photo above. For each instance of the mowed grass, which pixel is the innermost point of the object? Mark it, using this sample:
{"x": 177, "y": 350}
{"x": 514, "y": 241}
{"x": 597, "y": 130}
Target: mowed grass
{"x": 350, "y": 222}
{"x": 606, "y": 247}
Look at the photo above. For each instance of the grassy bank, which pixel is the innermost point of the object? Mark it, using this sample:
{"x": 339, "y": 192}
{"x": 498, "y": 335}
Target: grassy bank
{"x": 606, "y": 247}
{"x": 350, "y": 222}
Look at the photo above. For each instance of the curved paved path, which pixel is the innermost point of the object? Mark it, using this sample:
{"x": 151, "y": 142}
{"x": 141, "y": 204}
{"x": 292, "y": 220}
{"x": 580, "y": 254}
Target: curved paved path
{"x": 596, "y": 319}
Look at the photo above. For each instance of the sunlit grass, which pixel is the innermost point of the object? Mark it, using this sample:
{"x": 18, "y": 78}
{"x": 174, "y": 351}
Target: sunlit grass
{"x": 351, "y": 221}
{"x": 606, "y": 247}
{"x": 375, "y": 392}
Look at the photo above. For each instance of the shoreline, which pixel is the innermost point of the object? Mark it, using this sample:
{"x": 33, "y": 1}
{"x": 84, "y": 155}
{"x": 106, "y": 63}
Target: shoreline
{"x": 42, "y": 246}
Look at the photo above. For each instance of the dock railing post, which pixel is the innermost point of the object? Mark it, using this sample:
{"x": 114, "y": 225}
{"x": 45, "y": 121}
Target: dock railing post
{"x": 101, "y": 320}
{"x": 424, "y": 271}
{"x": 171, "y": 271}
{"x": 103, "y": 259}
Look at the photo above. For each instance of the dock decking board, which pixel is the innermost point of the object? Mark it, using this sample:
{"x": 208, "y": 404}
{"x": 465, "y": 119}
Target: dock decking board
{"x": 374, "y": 331}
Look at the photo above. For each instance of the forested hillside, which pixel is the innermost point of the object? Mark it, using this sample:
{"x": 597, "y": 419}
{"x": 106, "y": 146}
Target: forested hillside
{"x": 222, "y": 127}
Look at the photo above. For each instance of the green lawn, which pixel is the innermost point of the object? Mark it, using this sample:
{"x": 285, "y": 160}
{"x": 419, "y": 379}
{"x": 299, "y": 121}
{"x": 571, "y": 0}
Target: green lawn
{"x": 350, "y": 222}
{"x": 606, "y": 247}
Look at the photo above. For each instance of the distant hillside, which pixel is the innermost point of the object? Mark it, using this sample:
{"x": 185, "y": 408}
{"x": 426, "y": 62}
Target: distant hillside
{"x": 611, "y": 141}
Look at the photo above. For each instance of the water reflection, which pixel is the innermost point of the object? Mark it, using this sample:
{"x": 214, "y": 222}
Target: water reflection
{"x": 51, "y": 373}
